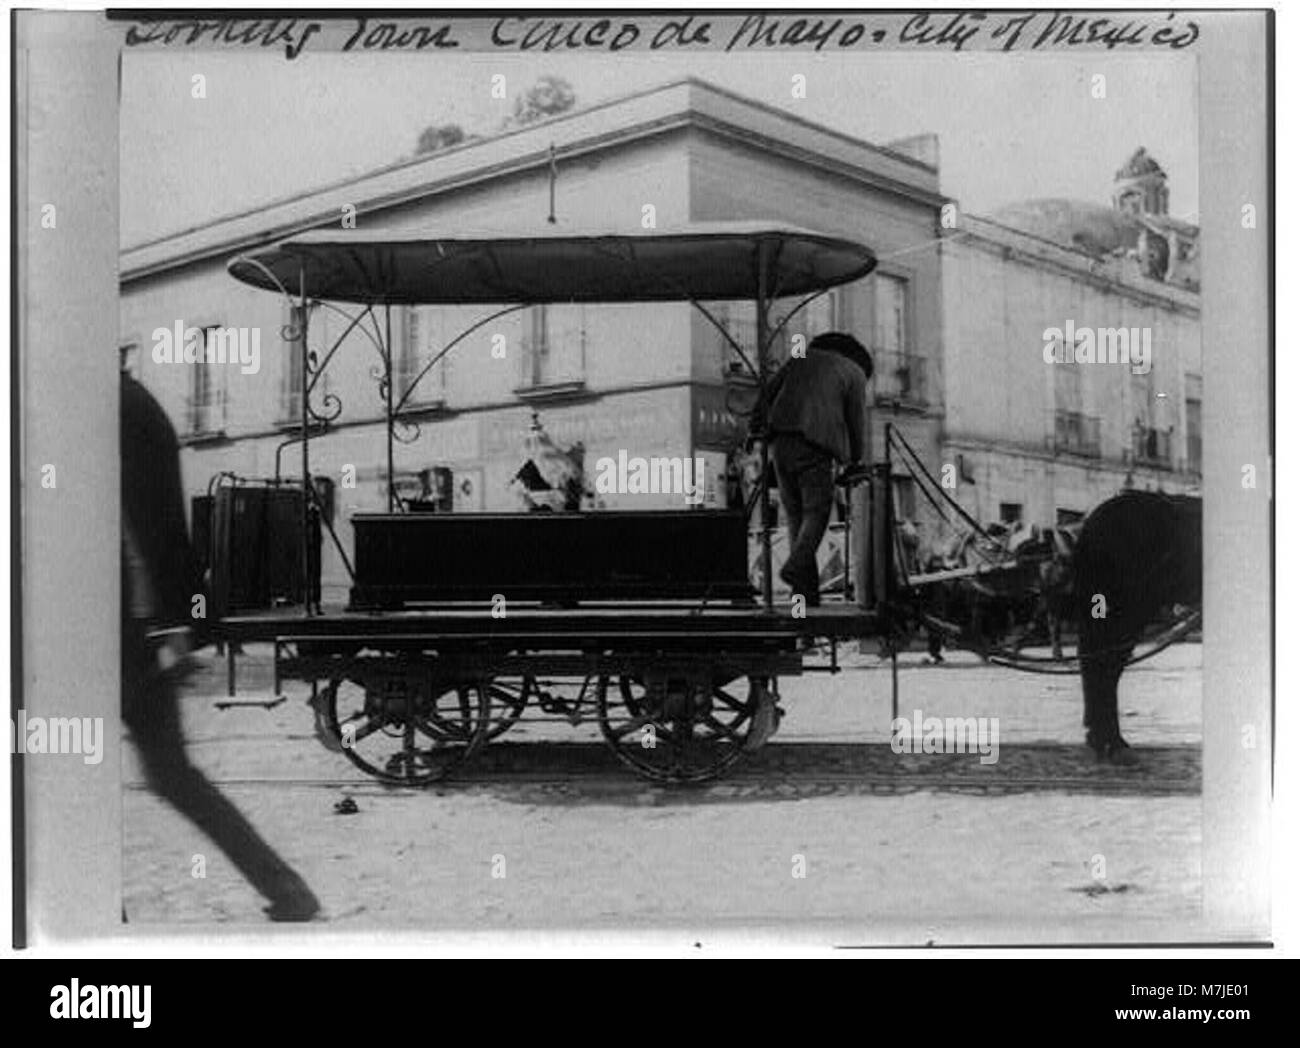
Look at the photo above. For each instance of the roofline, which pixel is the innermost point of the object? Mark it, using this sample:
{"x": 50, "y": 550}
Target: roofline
{"x": 397, "y": 165}
{"x": 812, "y": 125}
{"x": 988, "y": 234}
{"x": 684, "y": 117}
{"x": 504, "y": 133}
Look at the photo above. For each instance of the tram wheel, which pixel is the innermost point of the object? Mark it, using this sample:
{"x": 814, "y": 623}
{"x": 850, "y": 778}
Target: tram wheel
{"x": 509, "y": 697}
{"x": 675, "y": 729}
{"x": 407, "y": 727}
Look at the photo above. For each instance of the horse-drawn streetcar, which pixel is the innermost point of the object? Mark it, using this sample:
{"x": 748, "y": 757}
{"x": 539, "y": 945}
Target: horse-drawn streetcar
{"x": 646, "y": 623}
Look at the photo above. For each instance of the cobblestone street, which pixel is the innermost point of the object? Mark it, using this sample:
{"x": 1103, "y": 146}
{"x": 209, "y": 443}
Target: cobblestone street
{"x": 547, "y": 830}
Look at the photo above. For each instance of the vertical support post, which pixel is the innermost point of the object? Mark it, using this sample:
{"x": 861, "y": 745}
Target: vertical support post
{"x": 388, "y": 398}
{"x": 880, "y": 538}
{"x": 551, "y": 172}
{"x": 230, "y": 668}
{"x": 893, "y": 683}
{"x": 305, "y": 521}
{"x": 862, "y": 512}
{"x": 883, "y": 568}
{"x": 848, "y": 544}
{"x": 760, "y": 338}
{"x": 882, "y": 530}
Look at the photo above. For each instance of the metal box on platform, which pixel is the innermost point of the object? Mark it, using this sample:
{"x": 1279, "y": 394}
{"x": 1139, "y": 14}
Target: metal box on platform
{"x": 564, "y": 557}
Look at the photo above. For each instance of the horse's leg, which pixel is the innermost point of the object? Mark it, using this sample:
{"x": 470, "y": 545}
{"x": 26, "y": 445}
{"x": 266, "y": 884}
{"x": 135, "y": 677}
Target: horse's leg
{"x": 1054, "y": 630}
{"x": 1101, "y": 673}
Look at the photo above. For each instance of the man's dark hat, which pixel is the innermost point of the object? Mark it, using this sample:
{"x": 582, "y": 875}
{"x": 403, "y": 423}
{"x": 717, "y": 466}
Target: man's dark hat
{"x": 846, "y": 346}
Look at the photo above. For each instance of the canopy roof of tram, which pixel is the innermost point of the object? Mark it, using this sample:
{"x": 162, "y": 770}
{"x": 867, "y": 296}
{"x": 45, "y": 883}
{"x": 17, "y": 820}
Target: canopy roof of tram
{"x": 700, "y": 262}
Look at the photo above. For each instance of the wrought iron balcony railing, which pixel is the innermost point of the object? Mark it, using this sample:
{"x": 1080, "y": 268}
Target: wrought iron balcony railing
{"x": 1153, "y": 446}
{"x": 207, "y": 414}
{"x": 902, "y": 377}
{"x": 1076, "y": 434}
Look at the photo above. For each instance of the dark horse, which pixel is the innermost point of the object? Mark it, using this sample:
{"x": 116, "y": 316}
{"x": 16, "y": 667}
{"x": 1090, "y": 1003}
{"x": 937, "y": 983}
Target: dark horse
{"x": 1137, "y": 553}
{"x": 160, "y": 578}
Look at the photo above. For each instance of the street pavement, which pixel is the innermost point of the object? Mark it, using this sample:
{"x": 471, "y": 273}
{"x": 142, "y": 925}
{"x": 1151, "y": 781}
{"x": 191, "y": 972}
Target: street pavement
{"x": 827, "y": 833}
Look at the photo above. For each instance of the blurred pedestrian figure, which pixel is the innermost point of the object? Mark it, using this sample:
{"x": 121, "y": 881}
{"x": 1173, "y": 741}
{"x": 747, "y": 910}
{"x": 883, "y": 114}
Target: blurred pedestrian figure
{"x": 160, "y": 579}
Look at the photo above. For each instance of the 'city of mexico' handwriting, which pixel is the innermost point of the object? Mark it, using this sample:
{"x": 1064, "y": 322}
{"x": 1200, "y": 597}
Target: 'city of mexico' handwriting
{"x": 1070, "y": 30}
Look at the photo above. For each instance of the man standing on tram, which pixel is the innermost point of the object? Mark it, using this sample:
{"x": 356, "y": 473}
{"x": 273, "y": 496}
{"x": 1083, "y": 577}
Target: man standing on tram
{"x": 815, "y": 414}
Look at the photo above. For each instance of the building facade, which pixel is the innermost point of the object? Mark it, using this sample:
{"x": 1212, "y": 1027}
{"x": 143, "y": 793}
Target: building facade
{"x": 646, "y": 379}
{"x": 1042, "y": 441}
{"x": 954, "y": 319}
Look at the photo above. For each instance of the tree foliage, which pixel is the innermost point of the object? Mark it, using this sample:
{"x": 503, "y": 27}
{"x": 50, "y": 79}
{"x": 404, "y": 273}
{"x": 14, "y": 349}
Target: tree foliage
{"x": 439, "y": 136}
{"x": 550, "y": 96}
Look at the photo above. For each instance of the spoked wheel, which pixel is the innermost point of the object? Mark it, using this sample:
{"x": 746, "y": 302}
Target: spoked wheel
{"x": 509, "y": 697}
{"x": 676, "y": 728}
{"x": 407, "y": 727}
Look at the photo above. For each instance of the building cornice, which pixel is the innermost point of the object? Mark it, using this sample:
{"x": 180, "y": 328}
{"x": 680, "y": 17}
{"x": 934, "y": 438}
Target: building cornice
{"x": 989, "y": 445}
{"x": 811, "y": 158}
{"x": 620, "y": 122}
{"x": 163, "y": 256}
{"x": 1028, "y": 249}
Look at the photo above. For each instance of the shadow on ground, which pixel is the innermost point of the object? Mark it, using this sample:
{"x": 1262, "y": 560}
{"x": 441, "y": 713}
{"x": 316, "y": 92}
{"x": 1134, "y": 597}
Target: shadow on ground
{"x": 587, "y": 773}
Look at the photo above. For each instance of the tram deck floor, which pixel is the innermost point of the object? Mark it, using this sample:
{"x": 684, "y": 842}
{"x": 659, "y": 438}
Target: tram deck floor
{"x": 838, "y": 621}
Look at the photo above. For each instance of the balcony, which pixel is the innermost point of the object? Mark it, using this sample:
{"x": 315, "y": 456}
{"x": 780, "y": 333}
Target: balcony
{"x": 546, "y": 372}
{"x": 901, "y": 378}
{"x": 1151, "y": 447}
{"x": 1076, "y": 434}
{"x": 429, "y": 396}
{"x": 205, "y": 418}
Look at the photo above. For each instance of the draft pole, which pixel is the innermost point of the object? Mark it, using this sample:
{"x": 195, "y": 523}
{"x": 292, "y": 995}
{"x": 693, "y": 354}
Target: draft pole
{"x": 303, "y": 422}
{"x": 388, "y": 397}
{"x": 760, "y": 338}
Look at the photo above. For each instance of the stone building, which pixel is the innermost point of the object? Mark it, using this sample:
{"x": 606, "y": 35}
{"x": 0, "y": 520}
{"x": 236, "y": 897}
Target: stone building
{"x": 954, "y": 316}
{"x": 648, "y": 379}
{"x": 1044, "y": 442}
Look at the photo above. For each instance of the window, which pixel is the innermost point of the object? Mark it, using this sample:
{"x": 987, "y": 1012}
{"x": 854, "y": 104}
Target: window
{"x": 1151, "y": 431}
{"x": 319, "y": 338}
{"x": 738, "y": 320}
{"x": 891, "y": 315}
{"x": 1067, "y": 387}
{"x": 408, "y": 351}
{"x": 423, "y": 338}
{"x": 537, "y": 343}
{"x": 207, "y": 389}
{"x": 554, "y": 346}
{"x": 900, "y": 375}
{"x": 1010, "y": 512}
{"x": 1194, "y": 435}
{"x": 818, "y": 316}
{"x": 1140, "y": 387}
{"x": 291, "y": 368}
{"x": 1072, "y": 430}
{"x": 822, "y": 314}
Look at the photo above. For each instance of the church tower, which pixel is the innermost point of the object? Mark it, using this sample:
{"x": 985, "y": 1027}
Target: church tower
{"x": 1141, "y": 186}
